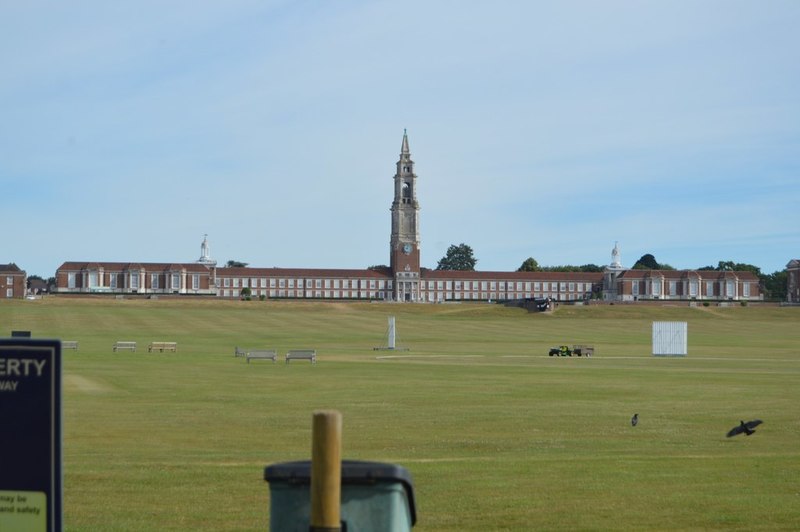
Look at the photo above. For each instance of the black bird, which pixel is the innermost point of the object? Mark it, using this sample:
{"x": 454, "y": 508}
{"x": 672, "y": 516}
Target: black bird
{"x": 634, "y": 420}
{"x": 748, "y": 428}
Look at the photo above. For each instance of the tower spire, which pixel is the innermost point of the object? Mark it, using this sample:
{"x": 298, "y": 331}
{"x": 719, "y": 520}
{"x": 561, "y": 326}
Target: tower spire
{"x": 615, "y": 258}
{"x": 404, "y": 149}
{"x": 405, "y": 241}
{"x": 205, "y": 252}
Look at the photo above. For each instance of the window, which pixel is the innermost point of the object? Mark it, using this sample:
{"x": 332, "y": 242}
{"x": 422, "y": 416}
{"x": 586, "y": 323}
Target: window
{"x": 176, "y": 281}
{"x": 92, "y": 279}
{"x": 635, "y": 288}
{"x": 153, "y": 280}
{"x": 745, "y": 289}
{"x": 656, "y": 287}
{"x": 693, "y": 288}
{"x": 71, "y": 280}
{"x": 730, "y": 290}
{"x": 112, "y": 280}
{"x": 571, "y": 287}
{"x": 134, "y": 281}
{"x": 710, "y": 288}
{"x": 226, "y": 282}
{"x": 291, "y": 283}
{"x": 9, "y": 292}
{"x": 196, "y": 281}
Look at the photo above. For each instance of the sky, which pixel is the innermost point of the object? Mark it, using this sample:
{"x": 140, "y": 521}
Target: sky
{"x": 552, "y": 130}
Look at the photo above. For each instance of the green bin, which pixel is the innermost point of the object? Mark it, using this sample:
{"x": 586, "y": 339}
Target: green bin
{"x": 374, "y": 496}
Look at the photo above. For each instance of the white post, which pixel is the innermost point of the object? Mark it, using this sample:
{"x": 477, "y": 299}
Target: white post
{"x": 391, "y": 332}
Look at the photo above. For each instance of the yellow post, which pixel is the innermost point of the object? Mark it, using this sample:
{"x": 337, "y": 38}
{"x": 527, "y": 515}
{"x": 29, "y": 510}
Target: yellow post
{"x": 326, "y": 471}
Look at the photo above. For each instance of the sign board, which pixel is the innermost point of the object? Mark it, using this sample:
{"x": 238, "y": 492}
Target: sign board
{"x": 669, "y": 338}
{"x": 30, "y": 446}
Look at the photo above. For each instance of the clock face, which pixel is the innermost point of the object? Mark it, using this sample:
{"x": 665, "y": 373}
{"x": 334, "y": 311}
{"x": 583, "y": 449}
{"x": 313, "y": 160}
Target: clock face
{"x": 406, "y": 248}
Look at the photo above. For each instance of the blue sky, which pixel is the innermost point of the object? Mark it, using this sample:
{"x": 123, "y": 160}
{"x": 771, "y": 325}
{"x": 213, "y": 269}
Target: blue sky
{"x": 539, "y": 129}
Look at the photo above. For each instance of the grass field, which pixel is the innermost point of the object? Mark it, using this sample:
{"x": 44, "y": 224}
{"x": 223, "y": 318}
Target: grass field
{"x": 497, "y": 435}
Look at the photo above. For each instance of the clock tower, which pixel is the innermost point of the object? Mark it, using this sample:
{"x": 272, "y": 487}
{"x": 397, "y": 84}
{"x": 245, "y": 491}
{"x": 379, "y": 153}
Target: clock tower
{"x": 404, "y": 243}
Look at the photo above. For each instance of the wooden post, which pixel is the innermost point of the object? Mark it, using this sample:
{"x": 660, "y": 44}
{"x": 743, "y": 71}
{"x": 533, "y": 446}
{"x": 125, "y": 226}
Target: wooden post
{"x": 326, "y": 471}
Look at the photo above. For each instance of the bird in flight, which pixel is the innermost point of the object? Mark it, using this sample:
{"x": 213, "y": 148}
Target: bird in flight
{"x": 634, "y": 420}
{"x": 748, "y": 428}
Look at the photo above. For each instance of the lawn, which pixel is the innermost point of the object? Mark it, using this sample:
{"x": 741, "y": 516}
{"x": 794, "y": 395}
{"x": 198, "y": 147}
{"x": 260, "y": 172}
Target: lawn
{"x": 497, "y": 435}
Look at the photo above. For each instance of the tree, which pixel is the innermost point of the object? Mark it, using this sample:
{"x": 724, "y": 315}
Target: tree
{"x": 646, "y": 262}
{"x": 529, "y": 265}
{"x": 236, "y": 264}
{"x": 458, "y": 258}
{"x": 775, "y": 285}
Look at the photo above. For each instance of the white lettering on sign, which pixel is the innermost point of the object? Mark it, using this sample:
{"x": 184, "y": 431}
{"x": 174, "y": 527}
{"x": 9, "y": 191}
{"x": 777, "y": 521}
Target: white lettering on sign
{"x": 21, "y": 367}
{"x": 8, "y": 386}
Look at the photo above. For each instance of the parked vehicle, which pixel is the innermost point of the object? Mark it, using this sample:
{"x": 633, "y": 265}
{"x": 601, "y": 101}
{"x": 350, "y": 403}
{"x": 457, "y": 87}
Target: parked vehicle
{"x": 561, "y": 351}
{"x": 567, "y": 351}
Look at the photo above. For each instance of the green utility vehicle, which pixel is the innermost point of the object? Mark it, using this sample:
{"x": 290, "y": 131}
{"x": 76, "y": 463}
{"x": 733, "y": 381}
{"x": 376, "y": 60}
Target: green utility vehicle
{"x": 577, "y": 350}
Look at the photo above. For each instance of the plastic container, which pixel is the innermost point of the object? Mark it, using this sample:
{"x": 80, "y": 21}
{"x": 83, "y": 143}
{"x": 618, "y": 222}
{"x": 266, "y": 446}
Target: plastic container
{"x": 374, "y": 496}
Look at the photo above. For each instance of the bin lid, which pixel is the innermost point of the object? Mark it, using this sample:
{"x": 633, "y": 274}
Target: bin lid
{"x": 353, "y": 472}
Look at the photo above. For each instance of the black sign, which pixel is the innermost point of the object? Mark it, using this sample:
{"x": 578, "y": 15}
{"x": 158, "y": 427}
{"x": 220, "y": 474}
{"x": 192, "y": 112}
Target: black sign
{"x": 30, "y": 440}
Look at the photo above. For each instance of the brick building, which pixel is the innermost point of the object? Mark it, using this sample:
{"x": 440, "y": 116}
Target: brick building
{"x": 135, "y": 278}
{"x": 13, "y": 281}
{"x": 634, "y": 285}
{"x": 404, "y": 279}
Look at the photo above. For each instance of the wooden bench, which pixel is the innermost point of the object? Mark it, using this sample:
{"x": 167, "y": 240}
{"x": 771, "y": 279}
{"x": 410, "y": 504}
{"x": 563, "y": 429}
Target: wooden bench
{"x": 130, "y": 346}
{"x": 270, "y": 354}
{"x": 69, "y": 344}
{"x": 163, "y": 346}
{"x": 239, "y": 352}
{"x": 302, "y": 354}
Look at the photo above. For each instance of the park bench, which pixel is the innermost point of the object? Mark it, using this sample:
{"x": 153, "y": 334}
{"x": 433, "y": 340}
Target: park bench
{"x": 163, "y": 346}
{"x": 130, "y": 346}
{"x": 269, "y": 354}
{"x": 302, "y": 354}
{"x": 69, "y": 344}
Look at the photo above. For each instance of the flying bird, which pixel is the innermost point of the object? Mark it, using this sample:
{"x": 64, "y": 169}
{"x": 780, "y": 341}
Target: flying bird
{"x": 634, "y": 420}
{"x": 748, "y": 428}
